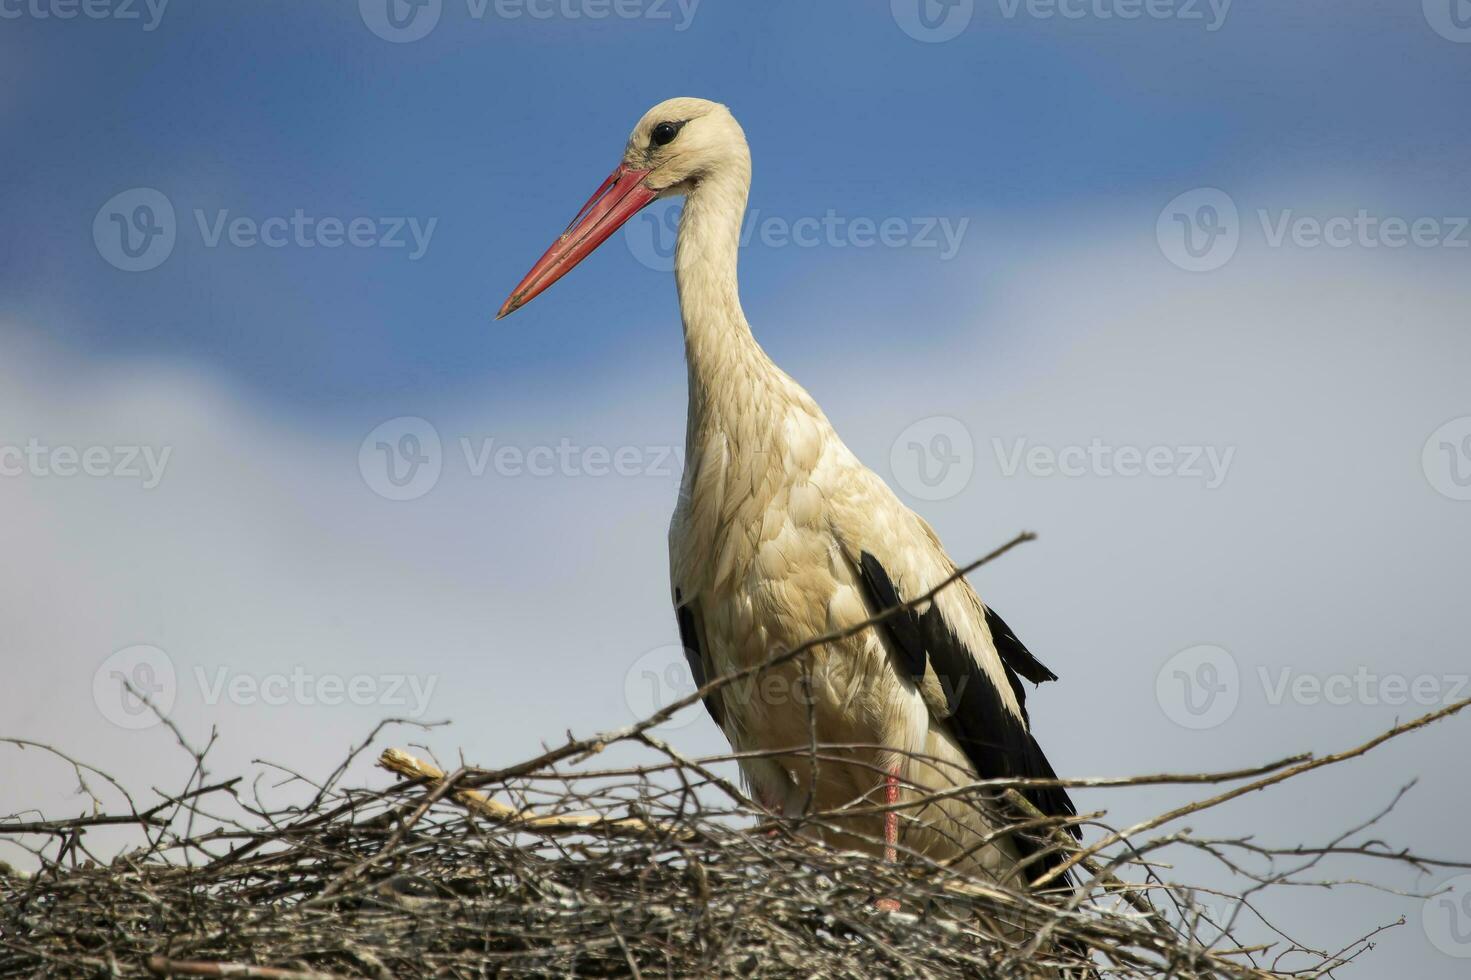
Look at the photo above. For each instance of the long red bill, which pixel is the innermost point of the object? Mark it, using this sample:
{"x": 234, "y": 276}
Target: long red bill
{"x": 622, "y": 196}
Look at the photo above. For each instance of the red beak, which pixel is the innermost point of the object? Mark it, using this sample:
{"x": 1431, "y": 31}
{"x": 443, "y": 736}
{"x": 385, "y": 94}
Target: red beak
{"x": 622, "y": 196}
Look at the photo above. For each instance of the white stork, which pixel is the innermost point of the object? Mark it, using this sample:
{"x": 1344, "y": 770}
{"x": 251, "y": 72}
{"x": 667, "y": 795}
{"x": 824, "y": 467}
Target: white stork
{"x": 781, "y": 535}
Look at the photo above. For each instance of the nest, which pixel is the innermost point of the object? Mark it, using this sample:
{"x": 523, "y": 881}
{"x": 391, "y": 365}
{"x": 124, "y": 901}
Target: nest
{"x": 658, "y": 867}
{"x": 628, "y": 872}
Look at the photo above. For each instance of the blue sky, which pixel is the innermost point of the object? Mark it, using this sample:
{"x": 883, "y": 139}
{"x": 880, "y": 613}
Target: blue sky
{"x": 499, "y": 127}
{"x": 1062, "y": 153}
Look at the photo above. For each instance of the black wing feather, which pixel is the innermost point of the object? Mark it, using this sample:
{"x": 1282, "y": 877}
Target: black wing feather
{"x": 904, "y": 628}
{"x": 1014, "y": 652}
{"x": 997, "y": 743}
{"x": 689, "y": 638}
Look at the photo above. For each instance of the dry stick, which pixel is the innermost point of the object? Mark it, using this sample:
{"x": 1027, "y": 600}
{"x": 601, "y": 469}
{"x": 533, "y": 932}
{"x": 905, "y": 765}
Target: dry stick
{"x": 1308, "y": 766}
{"x": 149, "y": 816}
{"x": 403, "y": 764}
{"x": 166, "y": 967}
{"x": 1016, "y": 782}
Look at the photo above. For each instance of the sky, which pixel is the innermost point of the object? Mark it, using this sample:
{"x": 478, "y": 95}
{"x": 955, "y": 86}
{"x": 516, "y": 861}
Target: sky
{"x": 1181, "y": 287}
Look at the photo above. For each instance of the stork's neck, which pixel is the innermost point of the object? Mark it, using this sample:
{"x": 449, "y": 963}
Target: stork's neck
{"x": 719, "y": 348}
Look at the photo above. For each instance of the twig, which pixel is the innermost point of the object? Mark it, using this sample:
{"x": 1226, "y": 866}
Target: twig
{"x": 199, "y": 968}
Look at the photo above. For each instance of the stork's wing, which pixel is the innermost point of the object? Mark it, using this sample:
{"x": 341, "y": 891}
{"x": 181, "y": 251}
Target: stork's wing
{"x": 691, "y": 637}
{"x": 1014, "y": 653}
{"x": 996, "y": 738}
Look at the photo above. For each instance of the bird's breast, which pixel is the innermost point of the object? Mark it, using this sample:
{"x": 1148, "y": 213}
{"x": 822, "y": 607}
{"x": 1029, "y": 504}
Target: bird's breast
{"x": 769, "y": 576}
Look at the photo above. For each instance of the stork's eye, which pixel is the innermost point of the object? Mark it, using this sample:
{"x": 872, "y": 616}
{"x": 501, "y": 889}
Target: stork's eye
{"x": 665, "y": 132}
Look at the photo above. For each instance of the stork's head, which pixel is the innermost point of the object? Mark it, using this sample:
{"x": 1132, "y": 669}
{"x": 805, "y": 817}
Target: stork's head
{"x": 676, "y": 146}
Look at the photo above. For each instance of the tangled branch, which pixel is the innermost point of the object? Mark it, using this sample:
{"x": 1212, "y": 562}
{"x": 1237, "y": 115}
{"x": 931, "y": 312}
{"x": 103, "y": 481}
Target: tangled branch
{"x": 551, "y": 866}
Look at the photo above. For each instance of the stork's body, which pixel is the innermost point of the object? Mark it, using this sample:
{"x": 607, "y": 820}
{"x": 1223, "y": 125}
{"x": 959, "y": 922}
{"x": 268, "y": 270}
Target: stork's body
{"x": 781, "y": 535}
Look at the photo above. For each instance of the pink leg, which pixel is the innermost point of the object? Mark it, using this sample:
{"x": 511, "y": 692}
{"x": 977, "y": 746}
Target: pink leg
{"x": 770, "y": 806}
{"x": 891, "y": 832}
{"x": 891, "y": 819}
